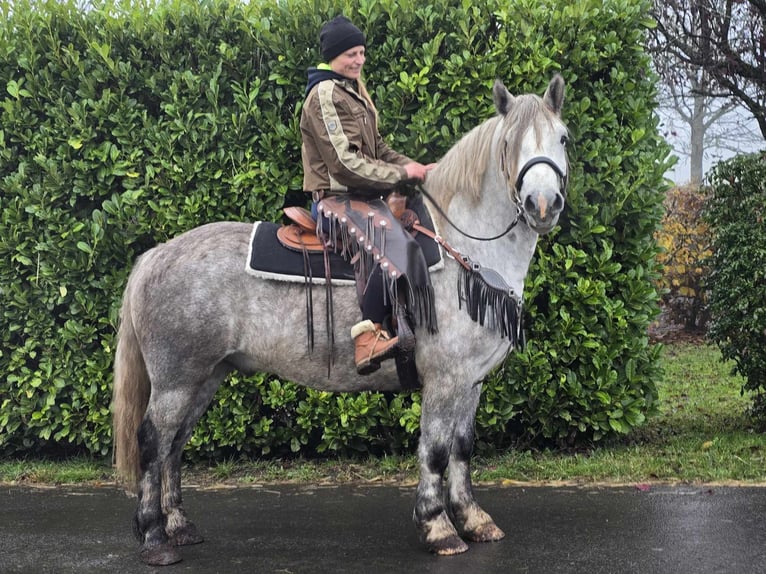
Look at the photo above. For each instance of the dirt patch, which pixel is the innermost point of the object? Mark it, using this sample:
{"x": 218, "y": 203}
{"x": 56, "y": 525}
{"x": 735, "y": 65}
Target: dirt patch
{"x": 664, "y": 330}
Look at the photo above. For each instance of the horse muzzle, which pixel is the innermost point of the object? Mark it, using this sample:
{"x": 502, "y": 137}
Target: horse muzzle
{"x": 542, "y": 209}
{"x": 544, "y": 203}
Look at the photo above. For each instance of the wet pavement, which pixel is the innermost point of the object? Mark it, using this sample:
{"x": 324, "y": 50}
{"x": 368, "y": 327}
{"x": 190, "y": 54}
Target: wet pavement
{"x": 367, "y": 529}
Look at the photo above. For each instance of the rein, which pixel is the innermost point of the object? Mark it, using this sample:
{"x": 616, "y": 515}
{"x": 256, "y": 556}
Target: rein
{"x": 519, "y": 217}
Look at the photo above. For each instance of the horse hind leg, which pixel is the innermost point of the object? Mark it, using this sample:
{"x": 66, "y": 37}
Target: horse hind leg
{"x": 160, "y": 521}
{"x": 180, "y": 530}
{"x": 471, "y": 520}
{"x": 149, "y": 520}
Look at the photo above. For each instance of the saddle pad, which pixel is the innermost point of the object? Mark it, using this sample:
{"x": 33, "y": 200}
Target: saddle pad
{"x": 268, "y": 258}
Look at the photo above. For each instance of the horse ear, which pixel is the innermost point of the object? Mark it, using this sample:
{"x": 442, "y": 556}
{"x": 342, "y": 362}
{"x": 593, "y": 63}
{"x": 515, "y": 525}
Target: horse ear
{"x": 502, "y": 97}
{"x": 554, "y": 95}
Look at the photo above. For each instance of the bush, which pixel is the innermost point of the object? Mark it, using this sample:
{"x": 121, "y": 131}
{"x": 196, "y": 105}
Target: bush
{"x": 123, "y": 126}
{"x": 736, "y": 212}
{"x": 685, "y": 240}
{"x": 589, "y": 369}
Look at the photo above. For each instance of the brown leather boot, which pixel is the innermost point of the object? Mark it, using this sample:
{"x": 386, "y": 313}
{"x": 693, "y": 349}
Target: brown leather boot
{"x": 373, "y": 345}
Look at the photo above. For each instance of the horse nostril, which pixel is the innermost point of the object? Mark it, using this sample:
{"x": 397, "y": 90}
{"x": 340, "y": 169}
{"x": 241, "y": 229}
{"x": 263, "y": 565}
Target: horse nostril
{"x": 558, "y": 203}
{"x": 529, "y": 205}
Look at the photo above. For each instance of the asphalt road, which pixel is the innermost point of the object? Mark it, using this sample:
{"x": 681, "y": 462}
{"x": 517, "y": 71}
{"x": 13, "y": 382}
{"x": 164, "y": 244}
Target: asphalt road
{"x": 367, "y": 529}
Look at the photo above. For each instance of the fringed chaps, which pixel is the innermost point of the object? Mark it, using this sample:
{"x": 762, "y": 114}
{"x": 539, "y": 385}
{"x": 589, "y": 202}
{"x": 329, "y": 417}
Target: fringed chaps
{"x": 367, "y": 234}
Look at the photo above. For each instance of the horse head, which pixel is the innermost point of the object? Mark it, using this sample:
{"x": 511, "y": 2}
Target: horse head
{"x": 533, "y": 154}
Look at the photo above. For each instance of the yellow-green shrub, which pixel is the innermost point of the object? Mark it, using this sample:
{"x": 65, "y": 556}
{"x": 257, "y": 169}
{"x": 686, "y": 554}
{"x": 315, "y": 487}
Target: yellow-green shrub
{"x": 685, "y": 241}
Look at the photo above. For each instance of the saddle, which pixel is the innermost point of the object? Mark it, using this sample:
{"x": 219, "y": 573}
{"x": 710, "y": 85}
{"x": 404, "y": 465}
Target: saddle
{"x": 301, "y": 235}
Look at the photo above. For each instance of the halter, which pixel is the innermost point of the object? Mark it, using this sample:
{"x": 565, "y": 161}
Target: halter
{"x": 563, "y": 180}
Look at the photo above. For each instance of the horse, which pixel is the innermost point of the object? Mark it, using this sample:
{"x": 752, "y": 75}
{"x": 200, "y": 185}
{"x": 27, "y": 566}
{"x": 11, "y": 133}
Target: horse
{"x": 191, "y": 314}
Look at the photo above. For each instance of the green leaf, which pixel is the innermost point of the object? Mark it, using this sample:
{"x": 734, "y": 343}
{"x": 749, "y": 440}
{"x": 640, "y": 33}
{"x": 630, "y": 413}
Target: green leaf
{"x": 12, "y": 87}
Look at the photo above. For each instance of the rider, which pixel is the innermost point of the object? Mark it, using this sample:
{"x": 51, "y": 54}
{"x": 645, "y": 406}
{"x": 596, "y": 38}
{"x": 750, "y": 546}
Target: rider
{"x": 343, "y": 153}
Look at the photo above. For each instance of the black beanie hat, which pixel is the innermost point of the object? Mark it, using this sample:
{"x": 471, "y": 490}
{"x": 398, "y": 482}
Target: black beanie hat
{"x": 337, "y": 36}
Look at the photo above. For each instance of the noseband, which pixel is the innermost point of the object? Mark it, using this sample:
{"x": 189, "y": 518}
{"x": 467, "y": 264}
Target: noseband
{"x": 536, "y": 161}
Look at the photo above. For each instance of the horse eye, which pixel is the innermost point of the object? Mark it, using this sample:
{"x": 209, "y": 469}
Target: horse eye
{"x": 564, "y": 140}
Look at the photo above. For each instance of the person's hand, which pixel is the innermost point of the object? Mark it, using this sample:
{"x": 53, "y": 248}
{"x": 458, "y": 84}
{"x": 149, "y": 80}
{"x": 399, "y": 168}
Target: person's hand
{"x": 418, "y": 171}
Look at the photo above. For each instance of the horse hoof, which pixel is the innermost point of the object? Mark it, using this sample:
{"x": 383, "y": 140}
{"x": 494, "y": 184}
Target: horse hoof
{"x": 486, "y": 533}
{"x": 160, "y": 555}
{"x": 448, "y": 546}
{"x": 186, "y": 536}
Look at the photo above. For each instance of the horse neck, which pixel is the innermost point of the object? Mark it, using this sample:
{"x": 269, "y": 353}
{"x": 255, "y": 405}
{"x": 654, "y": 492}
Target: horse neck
{"x": 486, "y": 215}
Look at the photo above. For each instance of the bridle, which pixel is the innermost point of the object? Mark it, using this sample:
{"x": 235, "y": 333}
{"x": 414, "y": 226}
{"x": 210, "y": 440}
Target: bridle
{"x": 563, "y": 178}
{"x": 483, "y": 291}
{"x": 537, "y": 160}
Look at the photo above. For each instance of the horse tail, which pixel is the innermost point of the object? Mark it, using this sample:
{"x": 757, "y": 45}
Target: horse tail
{"x": 130, "y": 396}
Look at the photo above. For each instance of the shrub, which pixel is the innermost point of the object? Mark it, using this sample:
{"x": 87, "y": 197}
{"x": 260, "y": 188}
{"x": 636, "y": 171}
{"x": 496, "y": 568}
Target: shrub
{"x": 685, "y": 240}
{"x": 736, "y": 211}
{"x": 589, "y": 369}
{"x": 123, "y": 126}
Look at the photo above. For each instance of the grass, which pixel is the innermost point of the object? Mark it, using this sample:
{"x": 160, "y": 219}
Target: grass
{"x": 703, "y": 434}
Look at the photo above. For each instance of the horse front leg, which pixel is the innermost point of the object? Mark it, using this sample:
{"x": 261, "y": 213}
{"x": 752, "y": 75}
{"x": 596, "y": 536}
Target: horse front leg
{"x": 471, "y": 520}
{"x": 430, "y": 514}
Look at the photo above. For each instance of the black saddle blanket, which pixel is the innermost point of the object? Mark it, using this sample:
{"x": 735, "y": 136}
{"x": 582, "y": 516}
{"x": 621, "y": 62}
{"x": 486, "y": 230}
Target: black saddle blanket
{"x": 269, "y": 258}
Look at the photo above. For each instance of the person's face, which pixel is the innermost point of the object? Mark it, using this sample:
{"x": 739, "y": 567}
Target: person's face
{"x": 349, "y": 63}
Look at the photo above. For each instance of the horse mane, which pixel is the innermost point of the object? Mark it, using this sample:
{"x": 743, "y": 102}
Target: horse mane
{"x": 463, "y": 167}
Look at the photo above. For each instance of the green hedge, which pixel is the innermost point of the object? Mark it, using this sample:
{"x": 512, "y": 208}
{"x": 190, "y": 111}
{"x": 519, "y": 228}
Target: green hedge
{"x": 130, "y": 123}
{"x": 736, "y": 213}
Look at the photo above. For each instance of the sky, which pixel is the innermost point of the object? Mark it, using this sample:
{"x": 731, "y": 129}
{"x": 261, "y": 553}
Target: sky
{"x": 746, "y": 143}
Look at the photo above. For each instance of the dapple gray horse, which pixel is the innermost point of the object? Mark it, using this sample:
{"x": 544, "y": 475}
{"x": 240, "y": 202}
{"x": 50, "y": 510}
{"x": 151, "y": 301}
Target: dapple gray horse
{"x": 191, "y": 314}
